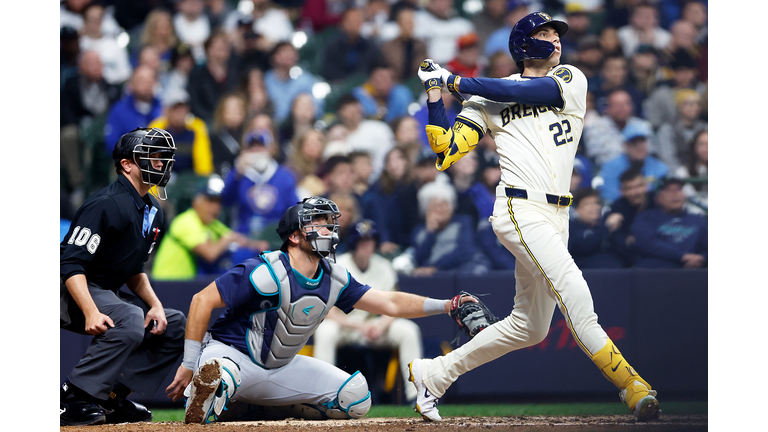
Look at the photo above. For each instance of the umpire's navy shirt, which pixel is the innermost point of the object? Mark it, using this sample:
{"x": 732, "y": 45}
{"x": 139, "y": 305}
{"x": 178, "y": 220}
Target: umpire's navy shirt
{"x": 111, "y": 235}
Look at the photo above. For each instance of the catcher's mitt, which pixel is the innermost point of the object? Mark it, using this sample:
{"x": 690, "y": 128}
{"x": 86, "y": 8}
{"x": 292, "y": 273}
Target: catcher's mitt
{"x": 470, "y": 316}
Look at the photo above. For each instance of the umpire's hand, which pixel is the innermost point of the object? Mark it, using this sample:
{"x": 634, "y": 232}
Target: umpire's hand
{"x": 98, "y": 323}
{"x": 156, "y": 317}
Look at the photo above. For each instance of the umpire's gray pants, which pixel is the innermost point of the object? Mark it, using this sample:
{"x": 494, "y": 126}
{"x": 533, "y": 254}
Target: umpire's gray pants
{"x": 127, "y": 352}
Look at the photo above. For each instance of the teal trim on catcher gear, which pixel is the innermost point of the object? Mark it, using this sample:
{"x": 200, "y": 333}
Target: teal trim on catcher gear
{"x": 353, "y": 400}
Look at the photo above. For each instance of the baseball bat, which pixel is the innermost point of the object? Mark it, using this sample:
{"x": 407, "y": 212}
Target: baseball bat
{"x": 428, "y": 65}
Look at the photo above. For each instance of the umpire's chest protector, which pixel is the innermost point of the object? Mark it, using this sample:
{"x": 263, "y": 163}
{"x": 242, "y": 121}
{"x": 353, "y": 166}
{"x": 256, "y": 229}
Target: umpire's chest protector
{"x": 287, "y": 312}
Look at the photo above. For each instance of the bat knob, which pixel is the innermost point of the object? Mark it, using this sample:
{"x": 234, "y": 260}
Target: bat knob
{"x": 428, "y": 65}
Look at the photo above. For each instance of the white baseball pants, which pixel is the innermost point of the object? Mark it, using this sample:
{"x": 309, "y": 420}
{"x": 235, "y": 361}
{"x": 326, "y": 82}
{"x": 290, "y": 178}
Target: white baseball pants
{"x": 545, "y": 276}
{"x": 303, "y": 380}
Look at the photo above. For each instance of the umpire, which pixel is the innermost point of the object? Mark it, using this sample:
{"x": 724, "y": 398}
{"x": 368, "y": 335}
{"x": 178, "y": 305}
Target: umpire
{"x": 136, "y": 341}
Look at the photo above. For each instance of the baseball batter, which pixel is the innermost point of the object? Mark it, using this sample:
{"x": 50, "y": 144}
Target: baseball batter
{"x": 536, "y": 119}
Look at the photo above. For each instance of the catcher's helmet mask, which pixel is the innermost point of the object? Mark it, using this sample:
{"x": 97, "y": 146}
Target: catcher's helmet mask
{"x": 300, "y": 217}
{"x": 523, "y": 46}
{"x": 144, "y": 146}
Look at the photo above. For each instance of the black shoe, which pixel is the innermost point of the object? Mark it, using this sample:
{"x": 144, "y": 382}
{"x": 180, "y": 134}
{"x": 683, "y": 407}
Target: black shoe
{"x": 81, "y": 413}
{"x": 76, "y": 409}
{"x": 129, "y": 412}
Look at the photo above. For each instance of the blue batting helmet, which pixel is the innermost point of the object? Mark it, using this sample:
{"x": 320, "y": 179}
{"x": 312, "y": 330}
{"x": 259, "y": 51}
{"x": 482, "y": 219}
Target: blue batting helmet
{"x": 363, "y": 229}
{"x": 522, "y": 46}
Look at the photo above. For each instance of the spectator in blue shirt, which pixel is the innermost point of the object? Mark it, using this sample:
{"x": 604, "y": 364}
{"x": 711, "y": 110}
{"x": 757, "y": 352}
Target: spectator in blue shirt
{"x": 284, "y": 83}
{"x": 395, "y": 194}
{"x": 589, "y": 238}
{"x": 635, "y": 197}
{"x": 668, "y": 236}
{"x": 259, "y": 188}
{"x": 348, "y": 54}
{"x": 499, "y": 39}
{"x": 381, "y": 97}
{"x": 445, "y": 241}
{"x": 636, "y": 154}
{"x": 136, "y": 109}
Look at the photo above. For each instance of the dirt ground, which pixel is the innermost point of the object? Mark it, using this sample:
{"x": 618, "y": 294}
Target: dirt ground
{"x": 668, "y": 423}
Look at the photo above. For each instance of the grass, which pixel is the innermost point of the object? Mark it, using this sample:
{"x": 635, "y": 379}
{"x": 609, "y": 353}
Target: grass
{"x": 479, "y": 410}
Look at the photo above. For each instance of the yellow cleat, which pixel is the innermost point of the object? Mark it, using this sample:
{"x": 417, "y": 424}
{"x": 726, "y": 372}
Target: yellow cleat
{"x": 635, "y": 392}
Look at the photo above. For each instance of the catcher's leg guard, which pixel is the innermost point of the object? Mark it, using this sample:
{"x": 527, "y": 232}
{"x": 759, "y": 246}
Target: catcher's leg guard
{"x": 635, "y": 392}
{"x": 353, "y": 400}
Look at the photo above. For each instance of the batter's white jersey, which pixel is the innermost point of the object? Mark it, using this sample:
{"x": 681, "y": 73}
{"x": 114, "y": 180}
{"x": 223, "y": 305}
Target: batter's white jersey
{"x": 536, "y": 144}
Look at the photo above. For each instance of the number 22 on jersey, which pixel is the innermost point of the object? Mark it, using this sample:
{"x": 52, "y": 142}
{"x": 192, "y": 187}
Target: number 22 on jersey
{"x": 561, "y": 132}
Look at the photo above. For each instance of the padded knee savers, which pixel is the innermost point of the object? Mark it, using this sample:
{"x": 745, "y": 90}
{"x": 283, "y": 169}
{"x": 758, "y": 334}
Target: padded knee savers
{"x": 353, "y": 399}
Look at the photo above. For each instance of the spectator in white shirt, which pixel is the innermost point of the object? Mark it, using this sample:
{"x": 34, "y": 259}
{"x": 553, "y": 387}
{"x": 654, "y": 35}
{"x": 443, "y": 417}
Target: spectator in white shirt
{"x": 192, "y": 26}
{"x": 269, "y": 21}
{"x": 643, "y": 28}
{"x": 72, "y": 15}
{"x": 440, "y": 28}
{"x": 117, "y": 65}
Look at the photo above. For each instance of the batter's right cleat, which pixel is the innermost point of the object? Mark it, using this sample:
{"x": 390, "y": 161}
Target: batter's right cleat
{"x": 205, "y": 382}
{"x": 647, "y": 408}
{"x": 426, "y": 402}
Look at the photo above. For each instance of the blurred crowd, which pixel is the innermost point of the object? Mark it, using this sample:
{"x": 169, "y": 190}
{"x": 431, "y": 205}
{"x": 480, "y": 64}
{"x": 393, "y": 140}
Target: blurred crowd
{"x": 270, "y": 102}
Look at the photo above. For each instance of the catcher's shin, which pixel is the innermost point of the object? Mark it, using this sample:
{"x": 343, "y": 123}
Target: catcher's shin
{"x": 472, "y": 317}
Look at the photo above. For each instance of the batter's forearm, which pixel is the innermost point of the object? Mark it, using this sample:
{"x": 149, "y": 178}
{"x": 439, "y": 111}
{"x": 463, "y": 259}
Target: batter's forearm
{"x": 437, "y": 115}
{"x": 434, "y": 95}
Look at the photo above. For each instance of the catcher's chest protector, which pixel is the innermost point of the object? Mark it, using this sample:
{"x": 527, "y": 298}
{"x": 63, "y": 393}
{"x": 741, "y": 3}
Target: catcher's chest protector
{"x": 288, "y": 313}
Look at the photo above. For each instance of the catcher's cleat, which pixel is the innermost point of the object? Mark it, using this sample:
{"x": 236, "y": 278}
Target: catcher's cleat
{"x": 128, "y": 412}
{"x": 426, "y": 402}
{"x": 205, "y": 382}
{"x": 647, "y": 408}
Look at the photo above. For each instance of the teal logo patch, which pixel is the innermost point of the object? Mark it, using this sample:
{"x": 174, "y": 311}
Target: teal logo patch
{"x": 307, "y": 309}
{"x": 564, "y": 74}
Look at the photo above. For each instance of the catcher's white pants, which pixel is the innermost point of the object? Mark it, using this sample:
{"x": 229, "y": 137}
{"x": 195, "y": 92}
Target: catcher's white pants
{"x": 402, "y": 334}
{"x": 303, "y": 380}
{"x": 545, "y": 276}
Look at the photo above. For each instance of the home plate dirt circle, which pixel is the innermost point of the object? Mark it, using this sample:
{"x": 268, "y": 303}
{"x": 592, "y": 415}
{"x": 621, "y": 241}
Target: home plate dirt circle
{"x": 667, "y": 423}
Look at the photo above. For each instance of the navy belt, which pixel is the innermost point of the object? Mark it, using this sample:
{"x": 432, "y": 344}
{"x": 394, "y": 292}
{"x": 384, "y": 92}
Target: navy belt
{"x": 560, "y": 201}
